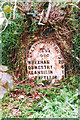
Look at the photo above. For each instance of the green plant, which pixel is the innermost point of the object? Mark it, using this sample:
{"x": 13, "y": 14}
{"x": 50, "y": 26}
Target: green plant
{"x": 43, "y": 102}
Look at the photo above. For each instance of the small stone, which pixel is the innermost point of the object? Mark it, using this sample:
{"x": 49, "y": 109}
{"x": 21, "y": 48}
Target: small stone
{"x": 6, "y": 81}
{"x": 10, "y": 85}
{"x": 6, "y": 78}
{"x": 21, "y": 97}
{"x": 2, "y": 92}
{"x": 3, "y": 68}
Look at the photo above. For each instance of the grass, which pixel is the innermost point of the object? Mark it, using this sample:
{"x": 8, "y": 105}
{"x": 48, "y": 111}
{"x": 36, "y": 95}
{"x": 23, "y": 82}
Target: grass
{"x": 53, "y": 101}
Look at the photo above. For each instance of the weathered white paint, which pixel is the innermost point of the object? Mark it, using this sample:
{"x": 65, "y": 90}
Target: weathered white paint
{"x": 45, "y": 60}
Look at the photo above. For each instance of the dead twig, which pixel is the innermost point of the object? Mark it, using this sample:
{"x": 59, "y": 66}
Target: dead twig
{"x": 15, "y": 107}
{"x": 48, "y": 12}
{"x": 75, "y": 6}
{"x": 14, "y": 9}
{"x": 19, "y": 83}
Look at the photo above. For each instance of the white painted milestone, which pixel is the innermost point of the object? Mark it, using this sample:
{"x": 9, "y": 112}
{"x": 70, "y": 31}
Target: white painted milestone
{"x": 45, "y": 60}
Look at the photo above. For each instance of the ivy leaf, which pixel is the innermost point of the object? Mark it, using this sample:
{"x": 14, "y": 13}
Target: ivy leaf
{"x": 75, "y": 9}
{"x": 7, "y": 8}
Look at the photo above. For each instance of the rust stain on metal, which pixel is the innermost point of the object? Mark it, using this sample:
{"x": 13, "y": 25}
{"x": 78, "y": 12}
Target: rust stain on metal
{"x": 45, "y": 60}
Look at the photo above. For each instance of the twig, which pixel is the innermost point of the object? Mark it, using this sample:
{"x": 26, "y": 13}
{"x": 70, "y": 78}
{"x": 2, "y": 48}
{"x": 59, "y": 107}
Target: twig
{"x": 14, "y": 9}
{"x": 41, "y": 17}
{"x": 48, "y": 12}
{"x": 6, "y": 21}
{"x": 5, "y": 18}
{"x": 5, "y": 26}
{"x": 22, "y": 4}
{"x": 23, "y": 10}
{"x": 22, "y": 81}
{"x": 16, "y": 106}
{"x": 75, "y": 6}
{"x": 43, "y": 99}
{"x": 78, "y": 58}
